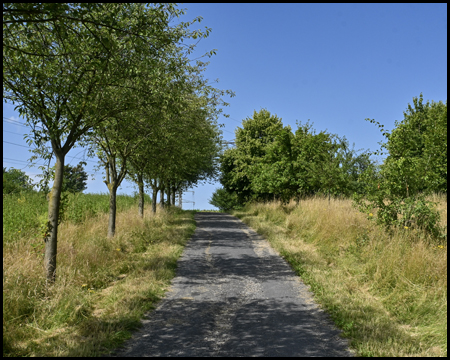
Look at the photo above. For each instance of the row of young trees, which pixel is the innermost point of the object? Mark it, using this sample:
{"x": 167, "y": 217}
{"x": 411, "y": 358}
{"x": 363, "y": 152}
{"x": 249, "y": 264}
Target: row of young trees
{"x": 271, "y": 162}
{"x": 118, "y": 79}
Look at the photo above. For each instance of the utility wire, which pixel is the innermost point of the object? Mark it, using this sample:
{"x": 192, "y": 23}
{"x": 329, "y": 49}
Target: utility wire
{"x": 71, "y": 157}
{"x": 234, "y": 120}
{"x": 5, "y": 119}
{"x": 16, "y": 144}
{"x": 11, "y": 121}
{"x": 227, "y": 131}
{"x": 12, "y": 132}
{"x": 23, "y": 161}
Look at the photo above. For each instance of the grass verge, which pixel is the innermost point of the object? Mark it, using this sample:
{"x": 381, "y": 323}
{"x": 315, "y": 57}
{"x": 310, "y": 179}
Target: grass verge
{"x": 103, "y": 288}
{"x": 387, "y": 292}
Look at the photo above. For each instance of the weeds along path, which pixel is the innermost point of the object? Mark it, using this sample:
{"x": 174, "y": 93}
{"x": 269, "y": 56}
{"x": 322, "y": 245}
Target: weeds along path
{"x": 234, "y": 296}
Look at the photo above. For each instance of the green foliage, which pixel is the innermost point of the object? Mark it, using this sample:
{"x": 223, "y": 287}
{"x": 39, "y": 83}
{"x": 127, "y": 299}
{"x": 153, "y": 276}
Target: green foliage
{"x": 270, "y": 162}
{"x": 413, "y": 212}
{"x": 147, "y": 197}
{"x": 75, "y": 178}
{"x": 83, "y": 206}
{"x": 22, "y": 214}
{"x": 25, "y": 214}
{"x": 224, "y": 200}
{"x": 418, "y": 147}
{"x": 15, "y": 181}
{"x": 245, "y": 168}
{"x": 394, "y": 192}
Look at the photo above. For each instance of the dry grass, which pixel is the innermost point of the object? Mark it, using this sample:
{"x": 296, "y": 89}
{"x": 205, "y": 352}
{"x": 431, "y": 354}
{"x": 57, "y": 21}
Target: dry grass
{"x": 103, "y": 287}
{"x": 387, "y": 292}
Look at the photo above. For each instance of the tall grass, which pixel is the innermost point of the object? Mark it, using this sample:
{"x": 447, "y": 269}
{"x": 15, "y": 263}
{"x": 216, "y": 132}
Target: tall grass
{"x": 388, "y": 292}
{"x": 24, "y": 213}
{"x": 103, "y": 285}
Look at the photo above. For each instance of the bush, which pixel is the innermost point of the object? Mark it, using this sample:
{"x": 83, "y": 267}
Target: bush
{"x": 224, "y": 200}
{"x": 416, "y": 166}
{"x": 16, "y": 181}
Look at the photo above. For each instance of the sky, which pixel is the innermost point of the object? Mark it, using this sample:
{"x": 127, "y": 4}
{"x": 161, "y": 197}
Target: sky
{"x": 332, "y": 64}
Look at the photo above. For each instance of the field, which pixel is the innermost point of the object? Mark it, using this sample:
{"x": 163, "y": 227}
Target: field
{"x": 24, "y": 213}
{"x": 103, "y": 287}
{"x": 387, "y": 292}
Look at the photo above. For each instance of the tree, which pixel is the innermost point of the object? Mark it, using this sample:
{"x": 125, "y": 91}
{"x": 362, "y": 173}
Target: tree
{"x": 314, "y": 165}
{"x": 416, "y": 166}
{"x": 15, "y": 181}
{"x": 183, "y": 141}
{"x": 59, "y": 60}
{"x": 419, "y": 142}
{"x": 353, "y": 163}
{"x": 270, "y": 162}
{"x": 273, "y": 173}
{"x": 75, "y": 178}
{"x": 166, "y": 141}
{"x": 224, "y": 200}
{"x": 238, "y": 169}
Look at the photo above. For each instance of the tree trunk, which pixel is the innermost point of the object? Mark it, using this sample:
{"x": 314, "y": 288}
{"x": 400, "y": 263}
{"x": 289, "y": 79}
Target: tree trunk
{"x": 168, "y": 196}
{"x": 161, "y": 201}
{"x": 51, "y": 236}
{"x": 180, "y": 200}
{"x": 141, "y": 195}
{"x": 173, "y": 195}
{"x": 112, "y": 211}
{"x": 154, "y": 195}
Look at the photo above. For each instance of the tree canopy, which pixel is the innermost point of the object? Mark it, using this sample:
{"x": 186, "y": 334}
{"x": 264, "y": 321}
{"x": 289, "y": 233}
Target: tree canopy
{"x": 15, "y": 181}
{"x": 271, "y": 162}
{"x": 84, "y": 71}
{"x": 416, "y": 166}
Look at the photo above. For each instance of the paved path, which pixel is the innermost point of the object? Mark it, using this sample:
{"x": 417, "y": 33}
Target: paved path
{"x": 234, "y": 296}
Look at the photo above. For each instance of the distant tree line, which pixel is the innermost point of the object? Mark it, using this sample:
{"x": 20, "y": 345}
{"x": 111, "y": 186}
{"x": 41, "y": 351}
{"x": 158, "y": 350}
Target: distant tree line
{"x": 17, "y": 181}
{"x": 271, "y": 162}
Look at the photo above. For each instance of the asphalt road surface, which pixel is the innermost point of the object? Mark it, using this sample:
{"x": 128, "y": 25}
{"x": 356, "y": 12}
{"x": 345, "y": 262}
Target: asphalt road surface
{"x": 234, "y": 296}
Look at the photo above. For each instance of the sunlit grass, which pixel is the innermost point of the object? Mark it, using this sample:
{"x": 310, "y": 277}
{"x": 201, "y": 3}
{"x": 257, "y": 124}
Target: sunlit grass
{"x": 388, "y": 292}
{"x": 103, "y": 287}
{"x": 24, "y": 213}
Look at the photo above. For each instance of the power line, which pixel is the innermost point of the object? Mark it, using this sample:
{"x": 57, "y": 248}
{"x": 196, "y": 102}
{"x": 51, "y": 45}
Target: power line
{"x": 14, "y": 162}
{"x": 234, "y": 120}
{"x": 11, "y": 121}
{"x": 23, "y": 161}
{"x": 16, "y": 144}
{"x": 12, "y": 132}
{"x": 30, "y": 165}
{"x": 71, "y": 157}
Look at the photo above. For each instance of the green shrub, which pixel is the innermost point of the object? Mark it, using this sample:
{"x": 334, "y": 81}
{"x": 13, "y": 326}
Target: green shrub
{"x": 224, "y": 200}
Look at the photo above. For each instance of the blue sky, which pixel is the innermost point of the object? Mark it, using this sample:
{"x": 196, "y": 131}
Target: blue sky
{"x": 335, "y": 64}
